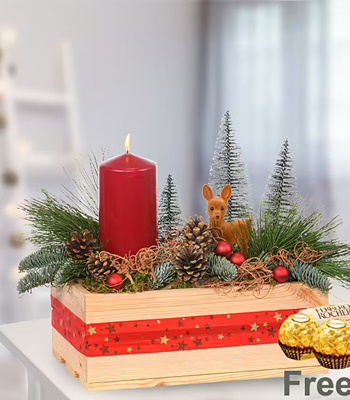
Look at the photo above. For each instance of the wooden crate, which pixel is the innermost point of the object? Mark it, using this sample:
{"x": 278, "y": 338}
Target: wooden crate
{"x": 174, "y": 337}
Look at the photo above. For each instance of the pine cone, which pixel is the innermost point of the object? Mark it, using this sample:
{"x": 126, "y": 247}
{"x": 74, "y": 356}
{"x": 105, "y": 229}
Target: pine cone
{"x": 81, "y": 245}
{"x": 222, "y": 268}
{"x": 100, "y": 264}
{"x": 191, "y": 263}
{"x": 197, "y": 232}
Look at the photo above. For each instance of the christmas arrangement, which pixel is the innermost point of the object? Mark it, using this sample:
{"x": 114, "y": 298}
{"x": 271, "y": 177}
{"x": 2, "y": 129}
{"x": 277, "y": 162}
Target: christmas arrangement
{"x": 124, "y": 244}
{"x": 135, "y": 283}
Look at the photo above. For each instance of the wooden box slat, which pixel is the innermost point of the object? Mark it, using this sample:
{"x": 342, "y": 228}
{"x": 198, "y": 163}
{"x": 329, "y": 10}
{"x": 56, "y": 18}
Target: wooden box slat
{"x": 180, "y": 367}
{"x": 99, "y": 308}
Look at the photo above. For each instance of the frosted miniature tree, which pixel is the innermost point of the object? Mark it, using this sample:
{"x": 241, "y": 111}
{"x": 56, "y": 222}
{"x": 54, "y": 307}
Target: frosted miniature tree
{"x": 169, "y": 209}
{"x": 228, "y": 168}
{"x": 282, "y": 191}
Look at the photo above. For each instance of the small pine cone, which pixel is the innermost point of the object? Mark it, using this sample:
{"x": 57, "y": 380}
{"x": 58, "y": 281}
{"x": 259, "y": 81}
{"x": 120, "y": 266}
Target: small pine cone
{"x": 100, "y": 264}
{"x": 191, "y": 263}
{"x": 81, "y": 245}
{"x": 197, "y": 232}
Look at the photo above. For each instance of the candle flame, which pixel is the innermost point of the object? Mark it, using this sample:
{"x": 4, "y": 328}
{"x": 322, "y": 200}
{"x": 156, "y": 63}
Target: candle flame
{"x": 127, "y": 143}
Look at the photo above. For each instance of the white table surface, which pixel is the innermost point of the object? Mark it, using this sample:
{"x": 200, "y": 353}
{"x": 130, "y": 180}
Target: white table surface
{"x": 30, "y": 342}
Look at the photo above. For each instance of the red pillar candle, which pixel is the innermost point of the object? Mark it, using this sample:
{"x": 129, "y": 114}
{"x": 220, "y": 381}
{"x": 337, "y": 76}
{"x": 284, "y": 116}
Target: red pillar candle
{"x": 128, "y": 203}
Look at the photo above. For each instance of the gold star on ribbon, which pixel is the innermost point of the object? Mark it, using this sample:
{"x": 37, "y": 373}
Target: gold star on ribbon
{"x": 106, "y": 339}
{"x": 197, "y": 326}
{"x": 228, "y": 316}
{"x": 220, "y": 336}
{"x": 254, "y": 326}
{"x": 258, "y": 340}
{"x": 278, "y": 316}
{"x": 61, "y": 323}
{"x": 164, "y": 340}
{"x": 92, "y": 331}
{"x": 129, "y": 349}
{"x": 83, "y": 335}
{"x": 158, "y": 321}
{"x": 265, "y": 324}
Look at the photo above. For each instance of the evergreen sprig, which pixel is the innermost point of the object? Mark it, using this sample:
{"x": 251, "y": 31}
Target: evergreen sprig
{"x": 228, "y": 168}
{"x": 53, "y": 220}
{"x": 71, "y": 271}
{"x": 49, "y": 266}
{"x": 222, "y": 268}
{"x": 53, "y": 254}
{"x": 311, "y": 276}
{"x": 169, "y": 209}
{"x": 164, "y": 274}
{"x": 84, "y": 190}
{"x": 298, "y": 226}
{"x": 37, "y": 277}
{"x": 282, "y": 191}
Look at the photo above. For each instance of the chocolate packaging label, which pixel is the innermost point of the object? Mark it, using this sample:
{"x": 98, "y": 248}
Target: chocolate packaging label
{"x": 323, "y": 314}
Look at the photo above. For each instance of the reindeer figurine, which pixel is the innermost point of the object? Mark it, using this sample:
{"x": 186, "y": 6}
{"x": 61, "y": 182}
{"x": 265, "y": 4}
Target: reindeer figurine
{"x": 236, "y": 232}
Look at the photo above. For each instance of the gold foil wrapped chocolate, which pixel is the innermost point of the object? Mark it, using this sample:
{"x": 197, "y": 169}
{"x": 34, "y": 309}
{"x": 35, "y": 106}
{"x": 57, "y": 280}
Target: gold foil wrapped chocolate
{"x": 333, "y": 338}
{"x": 297, "y": 331}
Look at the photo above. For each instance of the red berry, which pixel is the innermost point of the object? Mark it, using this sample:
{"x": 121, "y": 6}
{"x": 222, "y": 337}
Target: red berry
{"x": 237, "y": 258}
{"x": 223, "y": 249}
{"x": 116, "y": 281}
{"x": 280, "y": 274}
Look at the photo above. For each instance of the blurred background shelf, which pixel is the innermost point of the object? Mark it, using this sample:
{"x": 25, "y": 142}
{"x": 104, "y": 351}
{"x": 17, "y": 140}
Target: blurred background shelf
{"x": 43, "y": 99}
{"x": 31, "y": 158}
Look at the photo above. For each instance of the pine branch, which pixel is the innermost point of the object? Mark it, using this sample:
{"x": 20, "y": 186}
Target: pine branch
{"x": 222, "y": 268}
{"x": 298, "y": 226}
{"x": 337, "y": 267}
{"x": 49, "y": 266}
{"x": 53, "y": 220}
{"x": 70, "y": 272}
{"x": 164, "y": 274}
{"x": 311, "y": 276}
{"x": 228, "y": 168}
{"x": 85, "y": 189}
{"x": 36, "y": 277}
{"x": 54, "y": 254}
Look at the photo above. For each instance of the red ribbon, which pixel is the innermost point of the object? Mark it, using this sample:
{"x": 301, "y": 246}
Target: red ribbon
{"x": 168, "y": 334}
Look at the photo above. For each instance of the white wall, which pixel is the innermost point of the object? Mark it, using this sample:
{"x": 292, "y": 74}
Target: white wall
{"x": 136, "y": 67}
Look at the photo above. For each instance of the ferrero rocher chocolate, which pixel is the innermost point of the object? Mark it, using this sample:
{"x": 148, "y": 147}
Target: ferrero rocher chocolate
{"x": 332, "y": 338}
{"x": 331, "y": 344}
{"x": 295, "y": 336}
{"x": 297, "y": 330}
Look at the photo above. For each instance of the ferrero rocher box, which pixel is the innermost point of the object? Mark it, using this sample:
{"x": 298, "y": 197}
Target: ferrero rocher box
{"x": 324, "y": 313}
{"x": 178, "y": 336}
